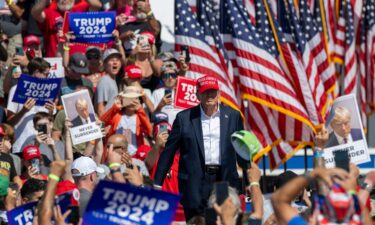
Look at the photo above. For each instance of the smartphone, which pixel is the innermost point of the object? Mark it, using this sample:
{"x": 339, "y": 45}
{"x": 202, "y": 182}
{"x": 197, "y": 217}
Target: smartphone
{"x": 42, "y": 128}
{"x": 210, "y": 216}
{"x": 167, "y": 92}
{"x": 185, "y": 52}
{"x": 163, "y": 128}
{"x": 143, "y": 42}
{"x": 35, "y": 164}
{"x": 221, "y": 192}
{"x": 19, "y": 50}
{"x": 73, "y": 217}
{"x": 342, "y": 159}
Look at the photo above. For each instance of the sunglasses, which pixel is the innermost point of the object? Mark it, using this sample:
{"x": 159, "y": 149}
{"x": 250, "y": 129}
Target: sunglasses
{"x": 167, "y": 75}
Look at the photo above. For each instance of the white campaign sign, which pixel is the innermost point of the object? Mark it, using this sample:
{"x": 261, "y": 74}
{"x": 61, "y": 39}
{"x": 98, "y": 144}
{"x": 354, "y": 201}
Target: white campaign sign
{"x": 85, "y": 133}
{"x": 57, "y": 69}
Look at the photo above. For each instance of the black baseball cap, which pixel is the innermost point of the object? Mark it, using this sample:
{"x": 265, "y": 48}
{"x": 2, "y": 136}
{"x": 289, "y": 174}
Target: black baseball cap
{"x": 78, "y": 63}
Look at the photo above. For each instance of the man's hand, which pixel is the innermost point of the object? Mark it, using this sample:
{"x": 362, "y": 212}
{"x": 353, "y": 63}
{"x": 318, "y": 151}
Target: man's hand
{"x": 227, "y": 211}
{"x": 161, "y": 139}
{"x": 253, "y": 173}
{"x": 67, "y": 124}
{"x": 58, "y": 216}
{"x": 121, "y": 19}
{"x": 41, "y": 138}
{"x": 29, "y": 104}
{"x": 126, "y": 158}
{"x": 58, "y": 167}
{"x": 327, "y": 174}
{"x": 113, "y": 156}
{"x": 50, "y": 106}
{"x": 116, "y": 35}
{"x": 183, "y": 64}
{"x": 321, "y": 138}
{"x": 134, "y": 176}
{"x": 20, "y": 60}
{"x": 166, "y": 100}
{"x": 128, "y": 35}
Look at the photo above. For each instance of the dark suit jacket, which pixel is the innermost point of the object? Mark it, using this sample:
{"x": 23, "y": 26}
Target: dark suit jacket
{"x": 78, "y": 122}
{"x": 186, "y": 135}
{"x": 332, "y": 140}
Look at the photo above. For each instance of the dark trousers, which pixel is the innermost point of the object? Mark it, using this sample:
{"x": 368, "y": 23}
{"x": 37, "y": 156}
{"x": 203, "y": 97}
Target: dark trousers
{"x": 206, "y": 189}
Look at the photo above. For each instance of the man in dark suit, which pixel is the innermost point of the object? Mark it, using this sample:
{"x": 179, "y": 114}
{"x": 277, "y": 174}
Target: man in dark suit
{"x": 84, "y": 116}
{"x": 342, "y": 130}
{"x": 202, "y": 135}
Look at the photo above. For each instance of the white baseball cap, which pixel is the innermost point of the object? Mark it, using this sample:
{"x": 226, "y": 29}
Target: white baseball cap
{"x": 83, "y": 166}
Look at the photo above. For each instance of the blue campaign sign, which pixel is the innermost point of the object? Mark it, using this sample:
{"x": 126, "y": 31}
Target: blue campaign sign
{"x": 22, "y": 215}
{"x": 118, "y": 203}
{"x": 92, "y": 27}
{"x": 40, "y": 89}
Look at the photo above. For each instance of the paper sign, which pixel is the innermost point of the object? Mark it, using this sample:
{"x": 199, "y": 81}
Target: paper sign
{"x": 24, "y": 214}
{"x": 57, "y": 69}
{"x": 119, "y": 203}
{"x": 40, "y": 89}
{"x": 346, "y": 132}
{"x": 185, "y": 93}
{"x": 92, "y": 27}
{"x": 78, "y": 108}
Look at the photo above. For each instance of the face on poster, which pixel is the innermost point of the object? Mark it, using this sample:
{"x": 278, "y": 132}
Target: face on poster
{"x": 79, "y": 109}
{"x": 346, "y": 132}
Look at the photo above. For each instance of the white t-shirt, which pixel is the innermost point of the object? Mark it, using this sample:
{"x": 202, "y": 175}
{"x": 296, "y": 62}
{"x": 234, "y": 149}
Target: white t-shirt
{"x": 170, "y": 110}
{"x": 128, "y": 127}
{"x": 25, "y": 127}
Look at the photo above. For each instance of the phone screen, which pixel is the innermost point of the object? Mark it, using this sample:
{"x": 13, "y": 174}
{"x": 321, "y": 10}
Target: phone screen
{"x": 185, "y": 52}
{"x": 73, "y": 217}
{"x": 42, "y": 128}
{"x": 19, "y": 51}
{"x": 162, "y": 128}
{"x": 342, "y": 159}
{"x": 167, "y": 92}
{"x": 210, "y": 216}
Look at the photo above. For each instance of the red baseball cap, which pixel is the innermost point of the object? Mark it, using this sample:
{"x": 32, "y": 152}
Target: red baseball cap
{"x": 133, "y": 72}
{"x": 150, "y": 37}
{"x": 31, "y": 39}
{"x": 205, "y": 83}
{"x": 31, "y": 152}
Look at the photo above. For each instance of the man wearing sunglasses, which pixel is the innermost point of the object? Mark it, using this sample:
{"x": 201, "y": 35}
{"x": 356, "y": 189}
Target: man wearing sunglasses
{"x": 163, "y": 97}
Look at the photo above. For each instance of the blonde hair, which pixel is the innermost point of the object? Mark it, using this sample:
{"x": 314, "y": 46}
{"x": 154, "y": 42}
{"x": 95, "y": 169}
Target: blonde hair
{"x": 81, "y": 103}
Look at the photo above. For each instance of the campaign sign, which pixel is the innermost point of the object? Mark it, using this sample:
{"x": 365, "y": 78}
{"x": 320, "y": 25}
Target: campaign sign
{"x": 40, "y": 89}
{"x": 79, "y": 109}
{"x": 186, "y": 93}
{"x": 22, "y": 215}
{"x": 119, "y": 203}
{"x": 345, "y": 132}
{"x": 92, "y": 27}
{"x": 57, "y": 69}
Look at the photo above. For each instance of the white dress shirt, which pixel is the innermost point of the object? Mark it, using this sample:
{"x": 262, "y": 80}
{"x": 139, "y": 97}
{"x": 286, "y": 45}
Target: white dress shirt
{"x": 211, "y": 137}
{"x": 341, "y": 141}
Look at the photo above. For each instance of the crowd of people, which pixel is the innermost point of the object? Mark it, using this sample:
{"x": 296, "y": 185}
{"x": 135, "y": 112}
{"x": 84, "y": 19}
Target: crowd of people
{"x": 147, "y": 141}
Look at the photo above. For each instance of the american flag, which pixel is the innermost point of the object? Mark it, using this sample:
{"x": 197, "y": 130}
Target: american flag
{"x": 362, "y": 64}
{"x": 369, "y": 33}
{"x": 326, "y": 67}
{"x": 345, "y": 47}
{"x": 305, "y": 34}
{"x": 205, "y": 58}
{"x": 264, "y": 84}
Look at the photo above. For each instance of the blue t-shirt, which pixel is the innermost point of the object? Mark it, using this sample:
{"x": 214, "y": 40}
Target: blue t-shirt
{"x": 297, "y": 220}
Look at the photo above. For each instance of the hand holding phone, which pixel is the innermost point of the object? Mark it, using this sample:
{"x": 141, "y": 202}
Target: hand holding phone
{"x": 185, "y": 52}
{"x": 342, "y": 159}
{"x": 19, "y": 51}
{"x": 42, "y": 128}
{"x": 73, "y": 217}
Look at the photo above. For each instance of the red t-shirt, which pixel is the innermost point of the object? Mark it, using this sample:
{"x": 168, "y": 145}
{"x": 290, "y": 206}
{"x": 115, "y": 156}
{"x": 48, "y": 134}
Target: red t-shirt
{"x": 171, "y": 183}
{"x": 54, "y": 22}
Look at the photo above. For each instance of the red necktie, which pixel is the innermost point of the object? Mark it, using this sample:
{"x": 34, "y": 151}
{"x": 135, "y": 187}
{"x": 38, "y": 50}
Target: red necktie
{"x": 345, "y": 140}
